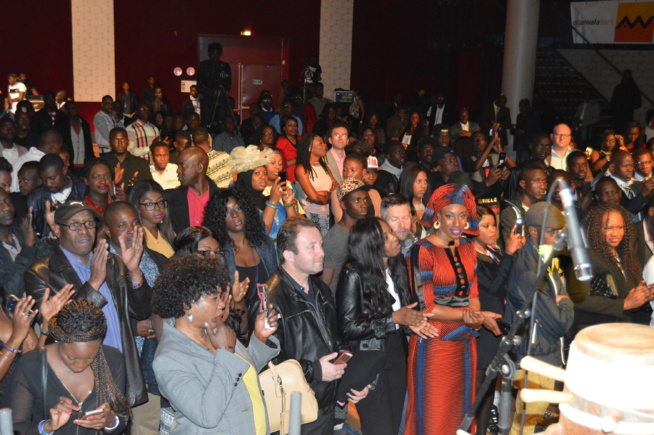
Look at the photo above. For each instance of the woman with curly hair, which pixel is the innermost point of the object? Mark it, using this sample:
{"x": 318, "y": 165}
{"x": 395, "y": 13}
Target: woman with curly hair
{"x": 147, "y": 197}
{"x": 372, "y": 302}
{"x": 81, "y": 375}
{"x": 315, "y": 181}
{"x": 240, "y": 231}
{"x": 209, "y": 378}
{"x": 616, "y": 293}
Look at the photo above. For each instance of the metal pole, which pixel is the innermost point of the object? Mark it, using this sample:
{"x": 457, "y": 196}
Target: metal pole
{"x": 295, "y": 425}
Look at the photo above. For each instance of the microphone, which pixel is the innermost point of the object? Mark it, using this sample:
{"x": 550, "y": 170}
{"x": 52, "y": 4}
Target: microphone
{"x": 576, "y": 240}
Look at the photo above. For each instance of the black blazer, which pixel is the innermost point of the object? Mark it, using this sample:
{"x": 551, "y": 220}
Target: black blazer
{"x": 503, "y": 118}
{"x": 178, "y": 205}
{"x": 88, "y": 142}
{"x": 55, "y": 271}
{"x": 641, "y": 247}
{"x": 42, "y": 122}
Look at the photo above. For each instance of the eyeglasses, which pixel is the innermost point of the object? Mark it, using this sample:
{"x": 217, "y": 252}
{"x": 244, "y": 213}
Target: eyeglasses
{"x": 644, "y": 163}
{"x": 561, "y": 134}
{"x": 149, "y": 206}
{"x": 76, "y": 226}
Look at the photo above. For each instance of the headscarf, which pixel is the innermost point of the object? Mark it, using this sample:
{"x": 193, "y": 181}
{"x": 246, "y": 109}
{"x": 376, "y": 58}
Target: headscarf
{"x": 244, "y": 183}
{"x": 452, "y": 194}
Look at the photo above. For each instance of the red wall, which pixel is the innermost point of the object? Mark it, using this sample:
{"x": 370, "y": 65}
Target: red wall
{"x": 36, "y": 39}
{"x": 153, "y": 37}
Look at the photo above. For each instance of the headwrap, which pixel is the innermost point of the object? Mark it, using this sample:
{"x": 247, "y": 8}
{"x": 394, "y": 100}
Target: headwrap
{"x": 244, "y": 183}
{"x": 249, "y": 158}
{"x": 452, "y": 194}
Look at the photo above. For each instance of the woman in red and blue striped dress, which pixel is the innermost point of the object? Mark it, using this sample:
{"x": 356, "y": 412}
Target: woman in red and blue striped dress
{"x": 442, "y": 368}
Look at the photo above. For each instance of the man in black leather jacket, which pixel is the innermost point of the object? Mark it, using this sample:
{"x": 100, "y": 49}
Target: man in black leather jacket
{"x": 307, "y": 329}
{"x": 115, "y": 285}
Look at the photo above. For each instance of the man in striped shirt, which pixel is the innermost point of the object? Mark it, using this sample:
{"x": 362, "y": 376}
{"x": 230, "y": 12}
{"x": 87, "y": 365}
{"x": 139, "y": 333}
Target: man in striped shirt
{"x": 141, "y": 133}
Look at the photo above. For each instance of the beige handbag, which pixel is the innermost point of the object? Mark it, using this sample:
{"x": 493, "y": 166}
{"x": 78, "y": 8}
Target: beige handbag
{"x": 277, "y": 384}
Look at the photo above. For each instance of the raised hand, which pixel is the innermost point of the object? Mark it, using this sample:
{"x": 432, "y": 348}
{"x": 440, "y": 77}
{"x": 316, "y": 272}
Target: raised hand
{"x": 49, "y": 215}
{"x": 118, "y": 174}
{"x": 51, "y": 305}
{"x": 131, "y": 256}
{"x": 27, "y": 228}
{"x": 240, "y": 288}
{"x": 222, "y": 337}
{"x": 99, "y": 264}
{"x": 260, "y": 330}
{"x": 22, "y": 321}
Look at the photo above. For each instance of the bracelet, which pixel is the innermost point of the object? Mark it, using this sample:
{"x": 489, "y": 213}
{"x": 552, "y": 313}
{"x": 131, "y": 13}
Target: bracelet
{"x": 272, "y": 205}
{"x": 12, "y": 350}
{"x": 44, "y": 332}
{"x": 116, "y": 423}
{"x": 41, "y": 431}
{"x": 228, "y": 348}
{"x": 289, "y": 205}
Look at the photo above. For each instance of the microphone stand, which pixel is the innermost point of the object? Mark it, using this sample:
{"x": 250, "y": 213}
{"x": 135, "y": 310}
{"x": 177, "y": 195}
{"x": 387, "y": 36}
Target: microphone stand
{"x": 502, "y": 361}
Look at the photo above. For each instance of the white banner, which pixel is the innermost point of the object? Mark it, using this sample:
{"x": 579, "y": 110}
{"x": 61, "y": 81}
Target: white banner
{"x": 613, "y": 22}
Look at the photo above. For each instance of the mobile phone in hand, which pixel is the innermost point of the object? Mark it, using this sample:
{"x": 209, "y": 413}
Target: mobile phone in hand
{"x": 93, "y": 412}
{"x": 282, "y": 176}
{"x": 502, "y": 159}
{"x": 504, "y": 326}
{"x": 343, "y": 358}
{"x": 518, "y": 226}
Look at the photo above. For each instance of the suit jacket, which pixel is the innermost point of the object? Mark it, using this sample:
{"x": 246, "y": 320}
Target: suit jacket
{"x": 42, "y": 121}
{"x": 55, "y": 271}
{"x": 333, "y": 166}
{"x": 207, "y": 391}
{"x": 12, "y": 271}
{"x": 488, "y": 118}
{"x": 178, "y": 205}
{"x": 641, "y": 247}
{"x": 88, "y": 141}
{"x": 431, "y": 119}
{"x": 455, "y": 129}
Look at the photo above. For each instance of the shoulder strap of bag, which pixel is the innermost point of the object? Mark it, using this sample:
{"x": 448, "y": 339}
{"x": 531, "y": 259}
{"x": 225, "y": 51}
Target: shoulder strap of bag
{"x": 44, "y": 380}
{"x": 278, "y": 380}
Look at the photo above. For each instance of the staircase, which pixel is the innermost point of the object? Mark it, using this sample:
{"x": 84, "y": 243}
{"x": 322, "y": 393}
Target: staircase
{"x": 559, "y": 88}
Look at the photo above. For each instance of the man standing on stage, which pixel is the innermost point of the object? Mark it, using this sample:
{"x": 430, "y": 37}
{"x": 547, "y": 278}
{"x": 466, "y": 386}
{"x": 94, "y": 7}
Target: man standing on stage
{"x": 214, "y": 81}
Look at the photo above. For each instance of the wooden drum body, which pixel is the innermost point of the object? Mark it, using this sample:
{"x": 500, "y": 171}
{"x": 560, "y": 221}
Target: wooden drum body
{"x": 610, "y": 373}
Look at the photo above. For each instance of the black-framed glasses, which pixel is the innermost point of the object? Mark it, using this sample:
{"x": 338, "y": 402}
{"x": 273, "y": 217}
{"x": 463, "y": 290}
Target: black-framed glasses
{"x": 76, "y": 226}
{"x": 151, "y": 205}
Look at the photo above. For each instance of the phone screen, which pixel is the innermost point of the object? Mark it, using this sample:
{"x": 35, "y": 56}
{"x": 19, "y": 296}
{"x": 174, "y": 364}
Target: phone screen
{"x": 343, "y": 358}
{"x": 282, "y": 176}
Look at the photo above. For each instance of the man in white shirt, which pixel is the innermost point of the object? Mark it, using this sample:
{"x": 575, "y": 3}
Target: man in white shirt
{"x": 338, "y": 138}
{"x": 9, "y": 150}
{"x": 51, "y": 143}
{"x": 16, "y": 91}
{"x": 561, "y": 136}
{"x": 192, "y": 105}
{"x": 104, "y": 122}
{"x": 163, "y": 172}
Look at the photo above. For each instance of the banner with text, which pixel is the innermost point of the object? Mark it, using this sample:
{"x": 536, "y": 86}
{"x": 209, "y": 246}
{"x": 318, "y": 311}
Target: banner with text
{"x": 613, "y": 22}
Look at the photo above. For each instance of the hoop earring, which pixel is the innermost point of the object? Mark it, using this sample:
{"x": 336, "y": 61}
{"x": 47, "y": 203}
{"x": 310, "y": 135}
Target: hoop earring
{"x": 189, "y": 317}
{"x": 437, "y": 225}
{"x": 467, "y": 226}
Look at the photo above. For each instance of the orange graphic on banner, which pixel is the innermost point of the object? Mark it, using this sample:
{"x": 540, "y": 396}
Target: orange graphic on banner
{"x": 635, "y": 22}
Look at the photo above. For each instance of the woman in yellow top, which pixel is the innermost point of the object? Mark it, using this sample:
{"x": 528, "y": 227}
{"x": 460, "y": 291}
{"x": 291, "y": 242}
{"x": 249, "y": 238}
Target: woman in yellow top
{"x": 147, "y": 196}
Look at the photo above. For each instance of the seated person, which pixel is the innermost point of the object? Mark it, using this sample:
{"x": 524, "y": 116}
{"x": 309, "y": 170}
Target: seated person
{"x": 163, "y": 172}
{"x": 28, "y": 178}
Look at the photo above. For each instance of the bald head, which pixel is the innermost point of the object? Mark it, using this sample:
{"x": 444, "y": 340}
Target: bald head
{"x": 192, "y": 166}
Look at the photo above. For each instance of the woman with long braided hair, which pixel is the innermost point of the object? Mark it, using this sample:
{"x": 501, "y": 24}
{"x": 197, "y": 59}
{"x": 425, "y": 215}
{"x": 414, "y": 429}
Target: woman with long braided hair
{"x": 616, "y": 293}
{"x": 56, "y": 387}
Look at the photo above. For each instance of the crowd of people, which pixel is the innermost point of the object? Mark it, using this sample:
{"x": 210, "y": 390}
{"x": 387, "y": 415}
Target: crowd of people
{"x": 134, "y": 253}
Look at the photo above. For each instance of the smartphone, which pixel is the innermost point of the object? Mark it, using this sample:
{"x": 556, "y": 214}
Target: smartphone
{"x": 502, "y": 159}
{"x": 282, "y": 176}
{"x": 11, "y": 304}
{"x": 504, "y": 326}
{"x": 262, "y": 292}
{"x": 93, "y": 412}
{"x": 343, "y": 358}
{"x": 518, "y": 226}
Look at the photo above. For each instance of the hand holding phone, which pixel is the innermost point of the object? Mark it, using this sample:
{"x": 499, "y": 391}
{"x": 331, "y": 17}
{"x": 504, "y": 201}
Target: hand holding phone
{"x": 343, "y": 358}
{"x": 282, "y": 176}
{"x": 262, "y": 292}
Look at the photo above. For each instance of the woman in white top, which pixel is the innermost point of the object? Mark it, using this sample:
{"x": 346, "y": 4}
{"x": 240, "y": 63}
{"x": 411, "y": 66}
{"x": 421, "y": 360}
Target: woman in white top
{"x": 314, "y": 180}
